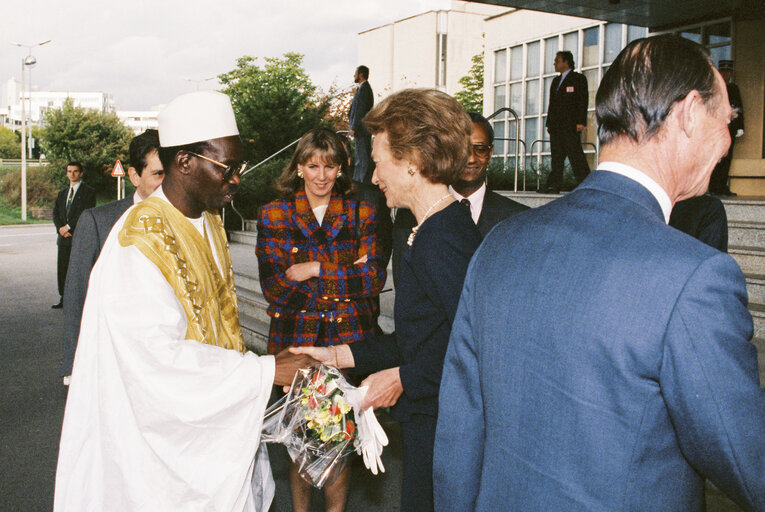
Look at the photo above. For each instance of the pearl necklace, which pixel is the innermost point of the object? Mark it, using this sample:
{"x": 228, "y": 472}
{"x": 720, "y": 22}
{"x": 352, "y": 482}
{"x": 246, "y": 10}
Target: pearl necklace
{"x": 410, "y": 240}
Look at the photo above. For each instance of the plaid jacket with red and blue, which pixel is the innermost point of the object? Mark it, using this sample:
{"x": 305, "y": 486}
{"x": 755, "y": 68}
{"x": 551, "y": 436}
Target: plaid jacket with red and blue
{"x": 342, "y": 296}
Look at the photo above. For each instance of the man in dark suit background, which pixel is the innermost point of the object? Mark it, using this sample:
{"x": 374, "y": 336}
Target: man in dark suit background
{"x": 363, "y": 101}
{"x": 566, "y": 119}
{"x": 599, "y": 359}
{"x": 718, "y": 185}
{"x": 70, "y": 203}
{"x": 487, "y": 208}
{"x": 95, "y": 224}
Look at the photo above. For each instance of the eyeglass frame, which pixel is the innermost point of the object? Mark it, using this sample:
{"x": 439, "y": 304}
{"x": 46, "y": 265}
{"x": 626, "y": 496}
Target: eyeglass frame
{"x": 228, "y": 170}
{"x": 486, "y": 152}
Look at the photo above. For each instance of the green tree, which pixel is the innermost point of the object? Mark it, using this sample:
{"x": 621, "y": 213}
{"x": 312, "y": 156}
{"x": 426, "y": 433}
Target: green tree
{"x": 274, "y": 104}
{"x": 471, "y": 95}
{"x": 94, "y": 138}
{"x": 10, "y": 143}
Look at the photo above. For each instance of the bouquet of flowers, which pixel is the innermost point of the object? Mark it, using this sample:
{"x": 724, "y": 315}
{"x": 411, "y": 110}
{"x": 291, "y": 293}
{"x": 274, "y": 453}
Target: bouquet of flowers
{"x": 320, "y": 421}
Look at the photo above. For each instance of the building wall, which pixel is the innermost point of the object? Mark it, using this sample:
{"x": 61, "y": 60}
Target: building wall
{"x": 406, "y": 53}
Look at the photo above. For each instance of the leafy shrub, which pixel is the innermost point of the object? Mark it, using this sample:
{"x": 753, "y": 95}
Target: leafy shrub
{"x": 41, "y": 186}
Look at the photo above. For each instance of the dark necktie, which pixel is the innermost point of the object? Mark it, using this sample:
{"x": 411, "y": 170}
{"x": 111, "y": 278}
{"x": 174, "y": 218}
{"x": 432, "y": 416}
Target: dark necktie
{"x": 69, "y": 199}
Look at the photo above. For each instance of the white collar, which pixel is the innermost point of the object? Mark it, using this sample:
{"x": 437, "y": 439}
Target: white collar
{"x": 136, "y": 198}
{"x": 75, "y": 187}
{"x": 635, "y": 175}
{"x": 476, "y": 200}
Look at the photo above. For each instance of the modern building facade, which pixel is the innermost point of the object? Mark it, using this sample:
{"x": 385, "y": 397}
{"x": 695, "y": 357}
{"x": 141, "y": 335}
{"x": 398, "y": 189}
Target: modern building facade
{"x": 519, "y": 47}
{"x": 37, "y": 102}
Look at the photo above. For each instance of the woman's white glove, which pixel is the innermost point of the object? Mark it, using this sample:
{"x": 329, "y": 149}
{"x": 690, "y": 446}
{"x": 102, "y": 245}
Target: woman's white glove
{"x": 370, "y": 437}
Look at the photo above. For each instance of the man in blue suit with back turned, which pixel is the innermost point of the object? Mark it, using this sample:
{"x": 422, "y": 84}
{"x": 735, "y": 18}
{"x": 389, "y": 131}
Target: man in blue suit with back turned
{"x": 599, "y": 359}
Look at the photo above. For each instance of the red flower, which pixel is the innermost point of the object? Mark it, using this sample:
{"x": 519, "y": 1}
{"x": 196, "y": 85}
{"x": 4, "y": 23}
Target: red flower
{"x": 312, "y": 402}
{"x": 334, "y": 409}
{"x": 350, "y": 426}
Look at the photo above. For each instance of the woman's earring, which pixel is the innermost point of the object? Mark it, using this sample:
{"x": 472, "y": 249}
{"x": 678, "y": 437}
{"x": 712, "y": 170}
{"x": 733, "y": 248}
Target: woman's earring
{"x": 410, "y": 171}
{"x": 339, "y": 173}
{"x": 300, "y": 174}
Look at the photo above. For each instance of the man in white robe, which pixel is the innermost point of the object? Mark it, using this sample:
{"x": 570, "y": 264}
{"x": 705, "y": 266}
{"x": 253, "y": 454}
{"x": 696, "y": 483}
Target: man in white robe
{"x": 165, "y": 407}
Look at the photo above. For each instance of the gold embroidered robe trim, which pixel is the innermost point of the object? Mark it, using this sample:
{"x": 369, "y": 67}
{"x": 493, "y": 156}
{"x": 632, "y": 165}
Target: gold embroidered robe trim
{"x": 175, "y": 246}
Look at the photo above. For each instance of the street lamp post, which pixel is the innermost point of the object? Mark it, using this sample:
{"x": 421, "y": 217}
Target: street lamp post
{"x": 198, "y": 81}
{"x": 29, "y": 61}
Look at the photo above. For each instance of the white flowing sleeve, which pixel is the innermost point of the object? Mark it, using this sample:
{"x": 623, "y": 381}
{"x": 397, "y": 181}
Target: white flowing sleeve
{"x": 154, "y": 418}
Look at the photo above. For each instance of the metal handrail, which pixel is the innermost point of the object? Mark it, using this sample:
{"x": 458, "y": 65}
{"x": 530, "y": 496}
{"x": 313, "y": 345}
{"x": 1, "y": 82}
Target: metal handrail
{"x": 241, "y": 176}
{"x": 522, "y": 156}
{"x": 517, "y": 138}
{"x": 539, "y": 154}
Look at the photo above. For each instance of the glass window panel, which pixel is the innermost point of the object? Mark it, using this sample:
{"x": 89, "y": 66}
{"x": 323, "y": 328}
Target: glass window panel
{"x": 589, "y": 134}
{"x": 530, "y": 135}
{"x": 551, "y": 48}
{"x": 516, "y": 63}
{"x": 592, "y": 85}
{"x": 613, "y": 42}
{"x": 532, "y": 97}
{"x": 499, "y": 135}
{"x": 500, "y": 66}
{"x": 719, "y": 53}
{"x": 500, "y": 97}
{"x": 516, "y": 98}
{"x": 635, "y": 32}
{"x": 532, "y": 59}
{"x": 694, "y": 34}
{"x": 590, "y": 50}
{"x": 546, "y": 91}
{"x": 719, "y": 33}
{"x": 571, "y": 43}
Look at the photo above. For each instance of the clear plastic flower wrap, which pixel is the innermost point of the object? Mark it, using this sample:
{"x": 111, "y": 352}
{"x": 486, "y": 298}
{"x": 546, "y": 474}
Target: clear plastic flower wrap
{"x": 317, "y": 422}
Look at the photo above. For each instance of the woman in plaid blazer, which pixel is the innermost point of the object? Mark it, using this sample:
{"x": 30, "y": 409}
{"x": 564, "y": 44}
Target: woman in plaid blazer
{"x": 320, "y": 264}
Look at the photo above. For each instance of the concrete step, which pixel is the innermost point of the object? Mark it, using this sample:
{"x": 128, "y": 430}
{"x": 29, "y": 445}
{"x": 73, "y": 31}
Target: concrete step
{"x": 745, "y": 209}
{"x": 755, "y": 287}
{"x": 745, "y": 233}
{"x": 254, "y": 306}
{"x": 758, "y": 318}
{"x": 246, "y": 282}
{"x": 760, "y": 344}
{"x": 255, "y": 334}
{"x": 243, "y": 237}
{"x": 750, "y": 259}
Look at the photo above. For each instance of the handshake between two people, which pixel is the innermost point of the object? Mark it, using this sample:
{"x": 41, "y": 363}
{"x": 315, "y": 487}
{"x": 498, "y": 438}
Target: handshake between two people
{"x": 383, "y": 388}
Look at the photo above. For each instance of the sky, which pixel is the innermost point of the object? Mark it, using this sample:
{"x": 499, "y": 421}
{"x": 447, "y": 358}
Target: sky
{"x": 143, "y": 51}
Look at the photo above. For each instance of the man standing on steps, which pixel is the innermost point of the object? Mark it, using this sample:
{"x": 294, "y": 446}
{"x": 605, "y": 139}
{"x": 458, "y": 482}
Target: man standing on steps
{"x": 165, "y": 406}
{"x": 363, "y": 101}
{"x": 70, "y": 203}
{"x": 566, "y": 119}
{"x": 145, "y": 173}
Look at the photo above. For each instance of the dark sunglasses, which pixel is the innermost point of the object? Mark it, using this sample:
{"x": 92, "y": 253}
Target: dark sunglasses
{"x": 229, "y": 171}
{"x": 481, "y": 149}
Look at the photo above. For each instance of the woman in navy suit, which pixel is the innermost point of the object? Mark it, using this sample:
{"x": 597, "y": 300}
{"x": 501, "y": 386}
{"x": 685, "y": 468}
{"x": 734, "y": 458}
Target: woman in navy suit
{"x": 421, "y": 144}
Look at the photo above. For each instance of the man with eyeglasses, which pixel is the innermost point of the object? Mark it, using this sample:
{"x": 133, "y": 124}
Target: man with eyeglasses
{"x": 486, "y": 207}
{"x": 165, "y": 404}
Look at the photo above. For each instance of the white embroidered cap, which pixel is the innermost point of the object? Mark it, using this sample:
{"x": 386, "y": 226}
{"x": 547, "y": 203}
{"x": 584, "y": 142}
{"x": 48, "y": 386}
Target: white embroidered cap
{"x": 196, "y": 117}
